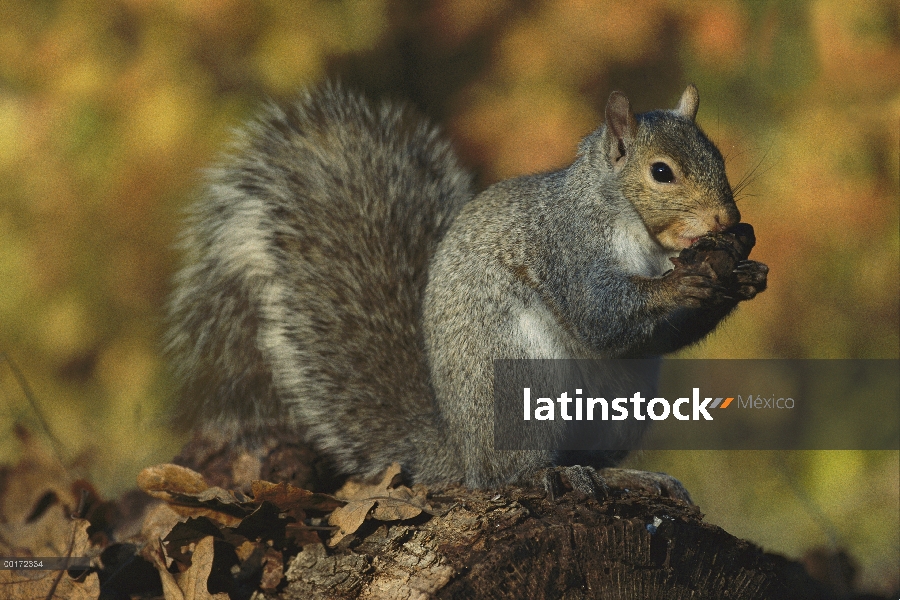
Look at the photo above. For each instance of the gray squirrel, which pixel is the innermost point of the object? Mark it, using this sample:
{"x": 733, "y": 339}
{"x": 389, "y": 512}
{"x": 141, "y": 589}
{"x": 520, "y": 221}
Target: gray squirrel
{"x": 342, "y": 278}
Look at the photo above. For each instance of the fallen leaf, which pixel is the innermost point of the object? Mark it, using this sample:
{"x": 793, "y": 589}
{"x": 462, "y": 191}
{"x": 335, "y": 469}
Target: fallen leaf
{"x": 188, "y": 494}
{"x": 161, "y": 481}
{"x": 354, "y": 489}
{"x": 48, "y": 584}
{"x": 395, "y": 509}
{"x": 24, "y": 585}
{"x": 348, "y": 519}
{"x": 193, "y": 582}
{"x": 157, "y": 556}
{"x": 293, "y": 500}
{"x": 273, "y": 570}
{"x": 264, "y": 523}
{"x": 159, "y": 522}
{"x": 391, "y": 501}
{"x": 181, "y": 542}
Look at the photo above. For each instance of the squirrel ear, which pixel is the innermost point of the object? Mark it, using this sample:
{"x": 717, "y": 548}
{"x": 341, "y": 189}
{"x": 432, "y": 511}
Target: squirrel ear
{"x": 621, "y": 127}
{"x": 689, "y": 103}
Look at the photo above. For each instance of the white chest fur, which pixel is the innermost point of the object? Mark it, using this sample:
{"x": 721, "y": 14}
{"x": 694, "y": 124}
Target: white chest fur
{"x": 637, "y": 252}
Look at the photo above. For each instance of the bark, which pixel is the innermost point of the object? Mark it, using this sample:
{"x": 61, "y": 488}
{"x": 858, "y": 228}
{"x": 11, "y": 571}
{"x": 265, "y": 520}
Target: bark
{"x": 519, "y": 544}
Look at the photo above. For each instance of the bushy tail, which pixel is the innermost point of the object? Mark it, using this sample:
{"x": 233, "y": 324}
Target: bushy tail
{"x": 306, "y": 263}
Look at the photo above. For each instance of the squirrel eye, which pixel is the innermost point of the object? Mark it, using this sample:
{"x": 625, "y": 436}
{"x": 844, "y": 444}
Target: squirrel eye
{"x": 662, "y": 173}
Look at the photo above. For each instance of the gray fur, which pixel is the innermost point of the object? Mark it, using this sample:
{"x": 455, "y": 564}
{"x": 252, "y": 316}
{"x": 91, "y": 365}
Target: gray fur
{"x": 306, "y": 265}
{"x": 338, "y": 279}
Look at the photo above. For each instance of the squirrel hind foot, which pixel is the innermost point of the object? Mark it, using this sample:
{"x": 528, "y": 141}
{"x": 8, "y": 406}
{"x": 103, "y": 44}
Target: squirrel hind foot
{"x": 558, "y": 480}
{"x": 646, "y": 483}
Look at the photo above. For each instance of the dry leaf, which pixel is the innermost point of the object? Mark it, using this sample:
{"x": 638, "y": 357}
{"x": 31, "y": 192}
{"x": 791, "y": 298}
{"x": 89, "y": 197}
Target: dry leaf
{"x": 293, "y": 500}
{"x": 358, "y": 490}
{"x": 348, "y": 519}
{"x": 395, "y": 509}
{"x": 16, "y": 586}
{"x": 245, "y": 550}
{"x": 39, "y": 479}
{"x": 157, "y": 556}
{"x": 159, "y": 522}
{"x": 274, "y": 515}
{"x": 193, "y": 581}
{"x": 37, "y": 497}
{"x": 28, "y": 585}
{"x": 273, "y": 570}
{"x": 181, "y": 486}
{"x": 392, "y": 502}
{"x": 188, "y": 494}
{"x": 47, "y": 535}
{"x": 161, "y": 481}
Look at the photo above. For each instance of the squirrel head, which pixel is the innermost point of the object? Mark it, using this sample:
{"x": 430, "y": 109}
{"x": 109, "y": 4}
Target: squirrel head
{"x": 667, "y": 168}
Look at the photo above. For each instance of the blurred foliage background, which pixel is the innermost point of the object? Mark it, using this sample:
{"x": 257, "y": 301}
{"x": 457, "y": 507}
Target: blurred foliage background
{"x": 109, "y": 109}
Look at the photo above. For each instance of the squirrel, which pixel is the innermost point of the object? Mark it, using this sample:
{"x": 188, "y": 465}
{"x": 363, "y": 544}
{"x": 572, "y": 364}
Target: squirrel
{"x": 343, "y": 278}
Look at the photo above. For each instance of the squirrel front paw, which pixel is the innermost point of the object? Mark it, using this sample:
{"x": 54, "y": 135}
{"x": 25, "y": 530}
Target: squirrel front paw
{"x": 751, "y": 278}
{"x": 715, "y": 269}
{"x": 696, "y": 286}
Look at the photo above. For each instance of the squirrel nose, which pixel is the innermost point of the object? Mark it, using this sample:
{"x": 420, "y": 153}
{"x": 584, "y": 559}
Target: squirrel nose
{"x": 726, "y": 219}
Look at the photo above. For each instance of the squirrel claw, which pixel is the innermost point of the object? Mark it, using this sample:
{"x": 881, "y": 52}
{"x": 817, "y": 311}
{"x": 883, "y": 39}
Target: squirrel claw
{"x": 752, "y": 278}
